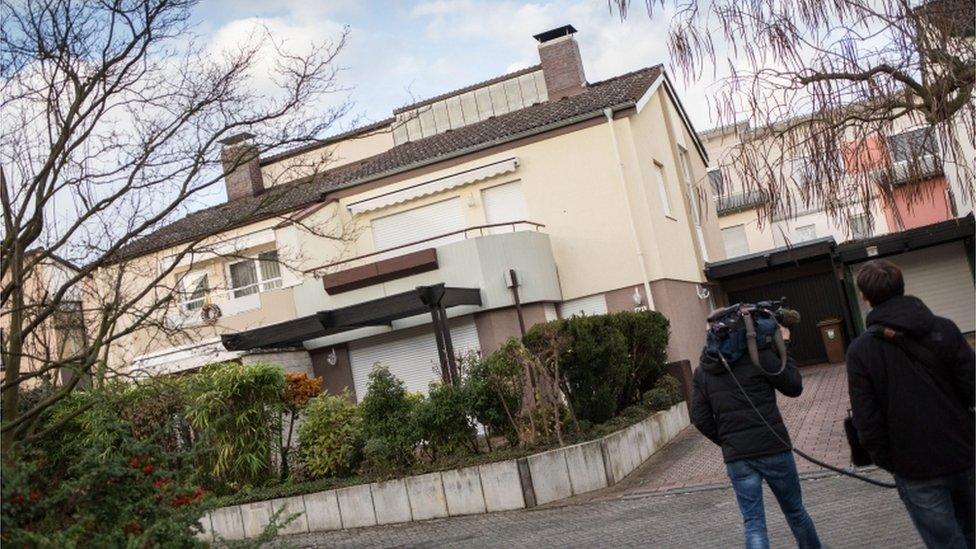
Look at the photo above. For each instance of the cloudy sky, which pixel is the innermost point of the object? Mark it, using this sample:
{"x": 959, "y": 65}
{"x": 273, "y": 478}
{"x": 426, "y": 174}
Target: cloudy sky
{"x": 408, "y": 50}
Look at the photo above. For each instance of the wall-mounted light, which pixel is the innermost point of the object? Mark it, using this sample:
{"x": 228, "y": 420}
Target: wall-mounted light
{"x": 637, "y": 297}
{"x": 331, "y": 358}
{"x": 703, "y": 292}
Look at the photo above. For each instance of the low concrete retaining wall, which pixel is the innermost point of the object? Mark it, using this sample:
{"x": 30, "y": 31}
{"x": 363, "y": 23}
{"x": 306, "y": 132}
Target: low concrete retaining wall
{"x": 500, "y": 486}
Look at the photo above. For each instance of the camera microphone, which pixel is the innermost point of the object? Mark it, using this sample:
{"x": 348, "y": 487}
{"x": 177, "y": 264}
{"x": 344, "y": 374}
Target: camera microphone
{"x": 788, "y": 317}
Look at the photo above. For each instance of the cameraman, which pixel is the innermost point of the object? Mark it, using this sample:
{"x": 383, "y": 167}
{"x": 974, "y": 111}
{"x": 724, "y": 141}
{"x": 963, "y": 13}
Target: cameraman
{"x": 910, "y": 378}
{"x": 752, "y": 452}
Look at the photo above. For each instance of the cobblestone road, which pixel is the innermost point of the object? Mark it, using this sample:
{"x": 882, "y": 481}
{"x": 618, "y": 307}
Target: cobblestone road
{"x": 847, "y": 513}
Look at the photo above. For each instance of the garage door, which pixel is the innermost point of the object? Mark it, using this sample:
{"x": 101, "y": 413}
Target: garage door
{"x": 814, "y": 296}
{"x": 411, "y": 354}
{"x": 940, "y": 276}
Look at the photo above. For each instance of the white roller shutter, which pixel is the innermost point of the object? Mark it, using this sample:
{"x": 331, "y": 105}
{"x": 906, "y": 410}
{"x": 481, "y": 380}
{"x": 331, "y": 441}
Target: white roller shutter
{"x": 735, "y": 241}
{"x": 940, "y": 276}
{"x": 419, "y": 223}
{"x": 590, "y": 305}
{"x": 503, "y": 204}
{"x": 411, "y": 354}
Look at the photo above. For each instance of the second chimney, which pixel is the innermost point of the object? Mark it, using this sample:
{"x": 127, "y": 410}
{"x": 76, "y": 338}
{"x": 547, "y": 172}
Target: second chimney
{"x": 242, "y": 166}
{"x": 562, "y": 66}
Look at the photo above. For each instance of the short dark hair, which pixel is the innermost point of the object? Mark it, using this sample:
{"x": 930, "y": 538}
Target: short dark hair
{"x": 880, "y": 280}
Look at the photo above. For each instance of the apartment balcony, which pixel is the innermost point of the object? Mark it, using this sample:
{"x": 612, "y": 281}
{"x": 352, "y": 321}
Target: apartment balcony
{"x": 267, "y": 297}
{"x": 476, "y": 257}
{"x": 737, "y": 202}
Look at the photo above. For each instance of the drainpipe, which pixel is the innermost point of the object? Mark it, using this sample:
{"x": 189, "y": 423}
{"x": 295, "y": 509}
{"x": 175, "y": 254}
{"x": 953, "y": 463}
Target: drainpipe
{"x": 608, "y": 112}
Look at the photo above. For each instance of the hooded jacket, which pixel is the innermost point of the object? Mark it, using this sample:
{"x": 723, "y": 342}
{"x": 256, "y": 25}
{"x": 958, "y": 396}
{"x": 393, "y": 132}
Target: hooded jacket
{"x": 905, "y": 419}
{"x": 722, "y": 414}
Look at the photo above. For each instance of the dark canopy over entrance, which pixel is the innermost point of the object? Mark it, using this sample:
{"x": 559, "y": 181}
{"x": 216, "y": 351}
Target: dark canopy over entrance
{"x": 378, "y": 312}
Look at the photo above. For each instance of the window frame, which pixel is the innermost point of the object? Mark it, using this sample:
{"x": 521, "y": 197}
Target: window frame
{"x": 812, "y": 226}
{"x": 928, "y": 135}
{"x": 664, "y": 193}
{"x": 261, "y": 284}
{"x": 194, "y": 276}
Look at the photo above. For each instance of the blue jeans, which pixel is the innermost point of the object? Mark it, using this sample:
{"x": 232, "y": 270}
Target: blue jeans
{"x": 942, "y": 508}
{"x": 779, "y": 472}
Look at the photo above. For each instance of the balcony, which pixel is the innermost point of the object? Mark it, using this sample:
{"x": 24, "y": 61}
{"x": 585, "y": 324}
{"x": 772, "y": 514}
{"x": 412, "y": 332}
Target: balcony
{"x": 475, "y": 257}
{"x": 737, "y": 202}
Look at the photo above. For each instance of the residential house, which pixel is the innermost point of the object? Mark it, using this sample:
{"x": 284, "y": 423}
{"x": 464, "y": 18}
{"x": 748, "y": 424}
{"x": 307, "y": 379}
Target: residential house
{"x": 61, "y": 334}
{"x": 464, "y": 219}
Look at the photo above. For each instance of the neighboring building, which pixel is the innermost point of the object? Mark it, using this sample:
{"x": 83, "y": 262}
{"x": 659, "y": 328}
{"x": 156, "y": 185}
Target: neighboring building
{"x": 58, "y": 337}
{"x": 811, "y": 259}
{"x": 743, "y": 231}
{"x": 525, "y": 198}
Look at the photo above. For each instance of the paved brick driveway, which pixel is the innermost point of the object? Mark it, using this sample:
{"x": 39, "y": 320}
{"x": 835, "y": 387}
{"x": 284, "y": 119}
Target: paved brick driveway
{"x": 847, "y": 514}
{"x": 815, "y": 420}
{"x": 681, "y": 498}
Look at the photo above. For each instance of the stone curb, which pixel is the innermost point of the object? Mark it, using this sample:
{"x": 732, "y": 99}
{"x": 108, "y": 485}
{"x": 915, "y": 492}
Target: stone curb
{"x": 541, "y": 478}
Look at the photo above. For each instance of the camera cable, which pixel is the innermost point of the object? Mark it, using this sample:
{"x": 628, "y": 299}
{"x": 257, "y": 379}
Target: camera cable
{"x": 797, "y": 451}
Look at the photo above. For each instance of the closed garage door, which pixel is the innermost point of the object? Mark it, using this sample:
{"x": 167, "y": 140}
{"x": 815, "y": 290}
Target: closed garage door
{"x": 941, "y": 277}
{"x": 814, "y": 296}
{"x": 411, "y": 354}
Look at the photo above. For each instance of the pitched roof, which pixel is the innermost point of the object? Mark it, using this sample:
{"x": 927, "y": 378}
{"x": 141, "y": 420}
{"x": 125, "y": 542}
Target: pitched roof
{"x": 282, "y": 199}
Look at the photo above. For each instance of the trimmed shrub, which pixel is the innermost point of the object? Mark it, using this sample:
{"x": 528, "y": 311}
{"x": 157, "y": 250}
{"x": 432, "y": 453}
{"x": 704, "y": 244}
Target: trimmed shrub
{"x": 646, "y": 335}
{"x": 665, "y": 394}
{"x": 443, "y": 421}
{"x": 594, "y": 364}
{"x": 494, "y": 387}
{"x": 330, "y": 438}
{"x": 387, "y": 423}
{"x": 235, "y": 410}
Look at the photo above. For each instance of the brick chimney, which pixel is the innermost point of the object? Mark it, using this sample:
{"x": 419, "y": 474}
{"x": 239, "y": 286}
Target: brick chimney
{"x": 562, "y": 65}
{"x": 242, "y": 166}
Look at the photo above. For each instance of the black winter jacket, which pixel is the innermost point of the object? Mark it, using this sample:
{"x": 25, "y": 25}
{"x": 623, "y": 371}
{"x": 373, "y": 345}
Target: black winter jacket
{"x": 908, "y": 425}
{"x": 722, "y": 414}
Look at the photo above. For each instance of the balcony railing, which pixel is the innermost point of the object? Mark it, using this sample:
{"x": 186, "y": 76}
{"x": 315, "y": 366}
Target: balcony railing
{"x": 223, "y": 297}
{"x": 453, "y": 236}
{"x": 737, "y": 202}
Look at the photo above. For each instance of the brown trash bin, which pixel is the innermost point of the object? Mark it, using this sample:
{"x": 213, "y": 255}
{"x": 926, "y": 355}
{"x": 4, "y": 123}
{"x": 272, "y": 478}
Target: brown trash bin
{"x": 832, "y": 333}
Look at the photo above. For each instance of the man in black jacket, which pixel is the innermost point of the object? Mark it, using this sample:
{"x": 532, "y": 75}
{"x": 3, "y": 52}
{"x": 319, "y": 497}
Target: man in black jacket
{"x": 911, "y": 385}
{"x": 752, "y": 451}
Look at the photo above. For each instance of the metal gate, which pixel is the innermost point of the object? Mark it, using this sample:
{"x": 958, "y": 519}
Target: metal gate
{"x": 814, "y": 296}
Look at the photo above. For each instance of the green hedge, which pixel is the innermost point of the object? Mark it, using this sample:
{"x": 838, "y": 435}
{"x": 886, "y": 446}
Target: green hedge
{"x": 609, "y": 359}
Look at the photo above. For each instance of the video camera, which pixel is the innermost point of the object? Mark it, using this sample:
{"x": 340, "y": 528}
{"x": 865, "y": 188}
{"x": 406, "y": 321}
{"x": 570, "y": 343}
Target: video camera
{"x": 748, "y": 327}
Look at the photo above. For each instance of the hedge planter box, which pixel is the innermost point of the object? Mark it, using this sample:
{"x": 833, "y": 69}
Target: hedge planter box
{"x": 501, "y": 486}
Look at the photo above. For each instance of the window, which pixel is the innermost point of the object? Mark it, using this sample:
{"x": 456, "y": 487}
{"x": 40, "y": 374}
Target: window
{"x": 910, "y": 145}
{"x": 255, "y": 275}
{"x": 735, "y": 240}
{"x": 504, "y": 204}
{"x": 861, "y": 227}
{"x": 806, "y": 232}
{"x": 662, "y": 188}
{"x": 445, "y": 219}
{"x": 194, "y": 287}
{"x": 717, "y": 181}
{"x": 802, "y": 170}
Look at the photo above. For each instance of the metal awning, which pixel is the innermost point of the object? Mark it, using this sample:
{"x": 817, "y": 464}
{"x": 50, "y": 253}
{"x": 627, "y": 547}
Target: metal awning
{"x": 777, "y": 257}
{"x": 903, "y": 241}
{"x": 377, "y": 312}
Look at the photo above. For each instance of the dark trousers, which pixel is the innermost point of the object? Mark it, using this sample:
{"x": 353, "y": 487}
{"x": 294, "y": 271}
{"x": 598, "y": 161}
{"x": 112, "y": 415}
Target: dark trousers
{"x": 942, "y": 509}
{"x": 779, "y": 472}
